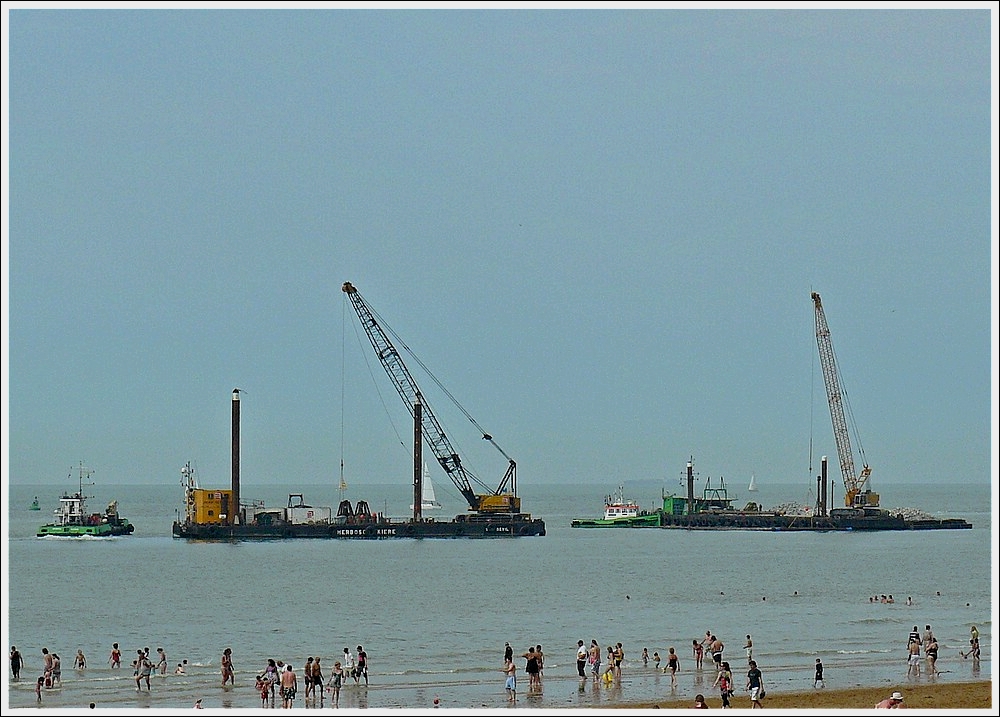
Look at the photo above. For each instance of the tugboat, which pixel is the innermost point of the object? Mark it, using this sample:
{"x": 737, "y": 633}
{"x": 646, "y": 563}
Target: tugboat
{"x": 34, "y": 504}
{"x": 619, "y": 513}
{"x": 73, "y": 521}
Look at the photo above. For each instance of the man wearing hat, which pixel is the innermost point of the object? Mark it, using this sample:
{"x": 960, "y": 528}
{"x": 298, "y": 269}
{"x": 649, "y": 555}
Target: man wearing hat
{"x": 894, "y": 701}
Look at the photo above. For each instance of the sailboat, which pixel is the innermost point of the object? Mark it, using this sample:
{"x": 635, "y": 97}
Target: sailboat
{"x": 427, "y": 499}
{"x": 753, "y": 485}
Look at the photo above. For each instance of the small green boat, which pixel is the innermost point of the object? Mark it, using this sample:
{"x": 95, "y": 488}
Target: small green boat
{"x": 34, "y": 504}
{"x": 619, "y": 513}
{"x": 73, "y": 521}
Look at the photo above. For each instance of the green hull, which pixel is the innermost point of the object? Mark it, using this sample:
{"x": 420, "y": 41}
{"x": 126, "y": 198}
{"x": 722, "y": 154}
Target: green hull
{"x": 639, "y": 521}
{"x": 104, "y": 530}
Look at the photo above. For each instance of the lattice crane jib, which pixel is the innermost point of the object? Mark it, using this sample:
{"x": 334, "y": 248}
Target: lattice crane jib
{"x": 854, "y": 483}
{"x": 431, "y": 429}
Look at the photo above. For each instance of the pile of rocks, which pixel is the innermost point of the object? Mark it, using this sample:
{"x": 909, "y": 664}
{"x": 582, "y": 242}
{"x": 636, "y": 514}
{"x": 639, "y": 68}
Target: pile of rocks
{"x": 912, "y": 513}
{"x": 793, "y": 509}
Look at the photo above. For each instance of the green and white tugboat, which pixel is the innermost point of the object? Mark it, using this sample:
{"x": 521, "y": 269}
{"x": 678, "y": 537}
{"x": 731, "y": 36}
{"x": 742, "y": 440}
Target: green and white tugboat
{"x": 73, "y": 521}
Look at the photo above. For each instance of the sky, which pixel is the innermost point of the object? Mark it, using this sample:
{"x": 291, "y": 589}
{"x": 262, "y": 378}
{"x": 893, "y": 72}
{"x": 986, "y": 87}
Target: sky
{"x": 598, "y": 229}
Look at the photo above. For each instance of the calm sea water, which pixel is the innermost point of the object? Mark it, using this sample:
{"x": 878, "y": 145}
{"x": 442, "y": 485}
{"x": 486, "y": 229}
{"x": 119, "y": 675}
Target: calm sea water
{"x": 433, "y": 615}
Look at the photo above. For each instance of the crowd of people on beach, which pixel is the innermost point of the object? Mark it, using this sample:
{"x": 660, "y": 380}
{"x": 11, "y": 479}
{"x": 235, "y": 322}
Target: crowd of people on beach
{"x": 281, "y": 678}
{"x": 603, "y": 666}
{"x": 277, "y": 676}
{"x": 606, "y": 667}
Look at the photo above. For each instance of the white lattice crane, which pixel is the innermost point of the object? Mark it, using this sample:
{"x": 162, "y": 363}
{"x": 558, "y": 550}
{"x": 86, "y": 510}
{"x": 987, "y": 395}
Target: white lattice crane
{"x": 857, "y": 494}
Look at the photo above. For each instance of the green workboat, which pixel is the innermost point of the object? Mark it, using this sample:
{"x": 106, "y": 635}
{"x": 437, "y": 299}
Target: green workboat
{"x": 73, "y": 521}
{"x": 620, "y": 513}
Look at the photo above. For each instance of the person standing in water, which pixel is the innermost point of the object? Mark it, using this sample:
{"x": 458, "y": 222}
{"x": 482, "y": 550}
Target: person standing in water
{"x": 56, "y": 669}
{"x": 510, "y": 679}
{"x": 15, "y": 662}
{"x": 673, "y": 665}
{"x": 228, "y": 671}
{"x": 913, "y": 658}
{"x": 595, "y": 659}
{"x": 348, "y": 662}
{"x": 289, "y": 686}
{"x": 717, "y": 648}
{"x": 336, "y": 680}
{"x": 143, "y": 668}
{"x": 362, "y": 668}
{"x": 531, "y": 667}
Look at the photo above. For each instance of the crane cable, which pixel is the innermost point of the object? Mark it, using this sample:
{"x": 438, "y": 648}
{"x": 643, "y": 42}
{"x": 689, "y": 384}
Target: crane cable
{"x": 486, "y": 436}
{"x": 361, "y": 343}
{"x": 378, "y": 391}
{"x": 852, "y": 424}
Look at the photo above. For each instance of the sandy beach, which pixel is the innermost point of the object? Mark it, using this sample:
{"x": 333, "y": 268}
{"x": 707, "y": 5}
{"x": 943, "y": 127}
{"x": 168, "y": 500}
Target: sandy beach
{"x": 953, "y": 695}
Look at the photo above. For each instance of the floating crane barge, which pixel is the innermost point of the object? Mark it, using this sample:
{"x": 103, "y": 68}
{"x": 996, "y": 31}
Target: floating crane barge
{"x": 861, "y": 511}
{"x": 220, "y": 514}
{"x": 714, "y": 511}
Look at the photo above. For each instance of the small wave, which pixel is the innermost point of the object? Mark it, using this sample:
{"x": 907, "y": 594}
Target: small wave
{"x": 863, "y": 652}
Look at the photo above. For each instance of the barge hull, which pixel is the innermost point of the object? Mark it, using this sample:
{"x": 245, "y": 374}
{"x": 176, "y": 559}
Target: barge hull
{"x": 779, "y": 522}
{"x": 466, "y": 527}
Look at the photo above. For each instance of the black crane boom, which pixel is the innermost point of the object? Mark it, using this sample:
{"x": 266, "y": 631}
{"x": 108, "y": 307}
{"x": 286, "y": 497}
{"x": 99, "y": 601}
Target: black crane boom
{"x": 498, "y": 501}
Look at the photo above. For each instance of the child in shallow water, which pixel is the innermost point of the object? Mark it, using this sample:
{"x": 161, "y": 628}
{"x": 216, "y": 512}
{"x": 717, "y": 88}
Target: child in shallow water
{"x": 264, "y": 687}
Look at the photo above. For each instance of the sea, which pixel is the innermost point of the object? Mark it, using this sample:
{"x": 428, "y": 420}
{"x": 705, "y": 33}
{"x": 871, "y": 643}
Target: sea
{"x": 433, "y": 615}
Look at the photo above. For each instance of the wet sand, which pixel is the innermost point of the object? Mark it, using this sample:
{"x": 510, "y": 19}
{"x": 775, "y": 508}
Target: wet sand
{"x": 950, "y": 695}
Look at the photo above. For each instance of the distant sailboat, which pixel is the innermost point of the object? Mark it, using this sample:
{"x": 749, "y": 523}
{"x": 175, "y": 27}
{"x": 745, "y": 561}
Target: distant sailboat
{"x": 753, "y": 485}
{"x": 427, "y": 499}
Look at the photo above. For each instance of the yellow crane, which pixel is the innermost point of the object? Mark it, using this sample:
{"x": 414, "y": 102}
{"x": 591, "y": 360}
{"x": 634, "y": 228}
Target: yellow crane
{"x": 857, "y": 492}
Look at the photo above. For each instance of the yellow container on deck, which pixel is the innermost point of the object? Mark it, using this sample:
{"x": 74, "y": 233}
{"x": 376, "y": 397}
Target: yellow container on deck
{"x": 212, "y": 506}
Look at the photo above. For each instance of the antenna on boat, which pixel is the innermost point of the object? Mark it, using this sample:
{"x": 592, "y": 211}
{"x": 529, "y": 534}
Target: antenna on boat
{"x": 82, "y": 471}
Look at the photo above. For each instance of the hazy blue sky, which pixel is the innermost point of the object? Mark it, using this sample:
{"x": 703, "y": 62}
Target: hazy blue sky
{"x": 599, "y": 230}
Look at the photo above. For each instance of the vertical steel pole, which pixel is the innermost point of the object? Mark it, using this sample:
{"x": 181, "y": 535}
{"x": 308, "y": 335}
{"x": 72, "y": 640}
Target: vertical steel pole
{"x": 418, "y": 484}
{"x": 235, "y": 508}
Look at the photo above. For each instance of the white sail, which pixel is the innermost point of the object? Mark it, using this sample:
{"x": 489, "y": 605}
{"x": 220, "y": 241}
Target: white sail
{"x": 427, "y": 499}
{"x": 753, "y": 484}
{"x": 428, "y": 491}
